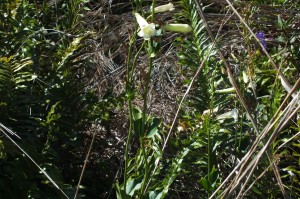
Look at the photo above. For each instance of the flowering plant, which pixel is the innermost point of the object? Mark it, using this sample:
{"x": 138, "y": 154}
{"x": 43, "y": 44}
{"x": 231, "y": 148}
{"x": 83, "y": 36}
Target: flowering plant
{"x": 147, "y": 30}
{"x": 262, "y": 39}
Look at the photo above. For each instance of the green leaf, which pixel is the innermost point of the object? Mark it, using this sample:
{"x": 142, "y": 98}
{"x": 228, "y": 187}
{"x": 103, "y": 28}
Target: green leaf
{"x": 121, "y": 194}
{"x": 133, "y": 185}
{"x": 213, "y": 176}
{"x": 137, "y": 113}
{"x": 205, "y": 184}
{"x": 154, "y": 195}
{"x": 279, "y": 22}
{"x": 153, "y": 129}
{"x": 52, "y": 116}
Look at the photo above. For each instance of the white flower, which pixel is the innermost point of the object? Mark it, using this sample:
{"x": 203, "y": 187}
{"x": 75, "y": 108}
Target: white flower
{"x": 182, "y": 28}
{"x": 163, "y": 8}
{"x": 147, "y": 30}
{"x": 231, "y": 114}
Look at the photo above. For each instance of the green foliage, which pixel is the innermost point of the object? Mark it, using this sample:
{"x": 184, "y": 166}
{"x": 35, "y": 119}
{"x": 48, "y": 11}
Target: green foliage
{"x": 43, "y": 97}
{"x": 206, "y": 127}
{"x": 47, "y": 99}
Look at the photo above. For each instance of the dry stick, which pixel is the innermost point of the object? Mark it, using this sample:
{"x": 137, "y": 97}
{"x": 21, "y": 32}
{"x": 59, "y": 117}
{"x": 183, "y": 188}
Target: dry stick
{"x": 34, "y": 162}
{"x": 243, "y": 171}
{"x": 263, "y": 134}
{"x": 259, "y": 177}
{"x": 9, "y": 131}
{"x": 248, "y": 155}
{"x": 255, "y": 160}
{"x": 290, "y": 139}
{"x": 251, "y": 166}
{"x": 284, "y": 119}
{"x": 84, "y": 165}
{"x": 254, "y": 163}
{"x": 115, "y": 179}
{"x": 288, "y": 119}
{"x": 297, "y": 84}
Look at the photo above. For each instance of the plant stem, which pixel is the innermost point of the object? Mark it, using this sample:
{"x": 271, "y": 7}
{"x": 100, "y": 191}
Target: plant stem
{"x": 135, "y": 61}
{"x": 128, "y": 88}
{"x": 211, "y": 106}
{"x": 146, "y": 90}
{"x": 207, "y": 128}
{"x": 129, "y": 80}
{"x": 144, "y": 121}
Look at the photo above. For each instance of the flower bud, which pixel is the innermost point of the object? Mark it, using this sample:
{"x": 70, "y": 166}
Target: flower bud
{"x": 164, "y": 8}
{"x": 181, "y": 28}
{"x": 226, "y": 90}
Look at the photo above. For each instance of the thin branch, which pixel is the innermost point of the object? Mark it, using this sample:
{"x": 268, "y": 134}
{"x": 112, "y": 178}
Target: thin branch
{"x": 84, "y": 165}
{"x": 9, "y": 131}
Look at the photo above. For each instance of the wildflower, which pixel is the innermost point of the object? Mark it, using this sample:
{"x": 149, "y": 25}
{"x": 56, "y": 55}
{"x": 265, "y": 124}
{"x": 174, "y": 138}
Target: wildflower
{"x": 163, "y": 8}
{"x": 231, "y": 114}
{"x": 262, "y": 39}
{"x": 147, "y": 30}
{"x": 182, "y": 28}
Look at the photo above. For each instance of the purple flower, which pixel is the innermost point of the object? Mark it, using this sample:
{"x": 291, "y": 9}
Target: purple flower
{"x": 262, "y": 39}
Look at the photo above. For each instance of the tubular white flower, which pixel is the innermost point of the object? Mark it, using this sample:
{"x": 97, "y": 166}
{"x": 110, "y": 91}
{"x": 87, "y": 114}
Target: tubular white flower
{"x": 182, "y": 28}
{"x": 147, "y": 30}
{"x": 231, "y": 114}
{"x": 163, "y": 8}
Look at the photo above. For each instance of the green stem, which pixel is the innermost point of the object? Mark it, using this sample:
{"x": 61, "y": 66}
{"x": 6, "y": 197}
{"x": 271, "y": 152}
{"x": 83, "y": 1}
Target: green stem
{"x": 143, "y": 129}
{"x": 238, "y": 148}
{"x": 129, "y": 80}
{"x": 211, "y": 106}
{"x": 144, "y": 118}
{"x": 135, "y": 60}
{"x": 208, "y": 145}
{"x": 128, "y": 89}
{"x": 146, "y": 90}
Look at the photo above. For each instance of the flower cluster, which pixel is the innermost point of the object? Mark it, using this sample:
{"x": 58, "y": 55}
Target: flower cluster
{"x": 148, "y": 30}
